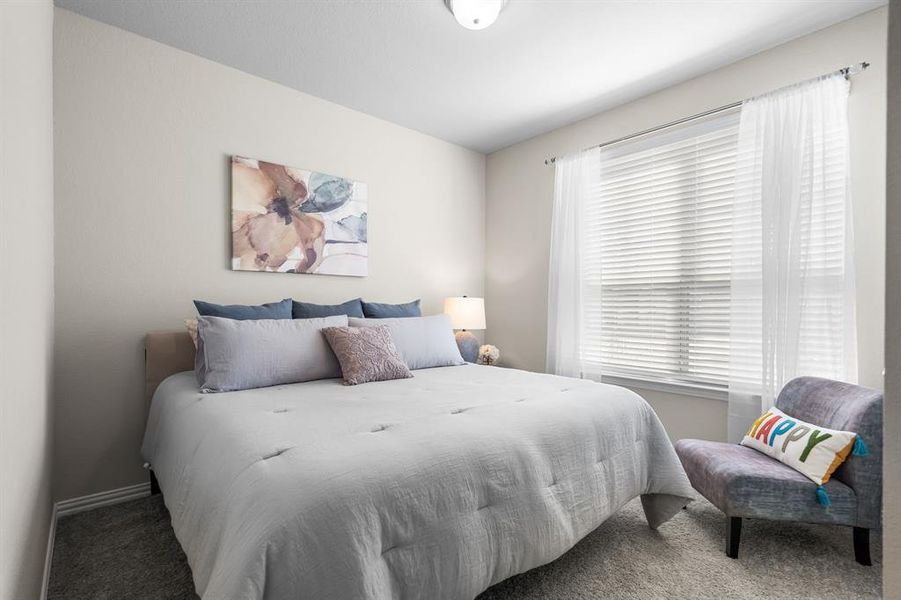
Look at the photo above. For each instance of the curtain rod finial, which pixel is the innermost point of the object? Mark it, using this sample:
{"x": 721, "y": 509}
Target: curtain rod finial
{"x": 854, "y": 69}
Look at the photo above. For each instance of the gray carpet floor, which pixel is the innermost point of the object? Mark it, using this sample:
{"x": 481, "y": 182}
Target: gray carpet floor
{"x": 128, "y": 552}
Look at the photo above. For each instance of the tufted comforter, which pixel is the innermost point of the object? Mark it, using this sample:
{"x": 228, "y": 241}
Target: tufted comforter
{"x": 433, "y": 487}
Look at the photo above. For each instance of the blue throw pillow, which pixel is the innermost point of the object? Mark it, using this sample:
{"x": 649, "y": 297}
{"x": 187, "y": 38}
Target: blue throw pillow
{"x": 376, "y": 310}
{"x": 242, "y": 312}
{"x": 308, "y": 310}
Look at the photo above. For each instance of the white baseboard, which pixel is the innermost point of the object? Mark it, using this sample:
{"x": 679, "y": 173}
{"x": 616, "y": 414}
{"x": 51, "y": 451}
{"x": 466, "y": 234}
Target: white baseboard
{"x": 76, "y": 505}
{"x": 83, "y": 503}
{"x": 48, "y": 558}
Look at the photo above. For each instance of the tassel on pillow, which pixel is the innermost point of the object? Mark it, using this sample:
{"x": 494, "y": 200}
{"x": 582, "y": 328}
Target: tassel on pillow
{"x": 860, "y": 449}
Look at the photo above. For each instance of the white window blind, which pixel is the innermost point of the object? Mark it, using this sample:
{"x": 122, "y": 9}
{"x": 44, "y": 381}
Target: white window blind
{"x": 656, "y": 261}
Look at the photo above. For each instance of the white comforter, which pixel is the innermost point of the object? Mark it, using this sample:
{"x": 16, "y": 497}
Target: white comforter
{"x": 433, "y": 487}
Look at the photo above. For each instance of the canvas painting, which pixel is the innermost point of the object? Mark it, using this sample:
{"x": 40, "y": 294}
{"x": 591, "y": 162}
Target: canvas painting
{"x": 289, "y": 220}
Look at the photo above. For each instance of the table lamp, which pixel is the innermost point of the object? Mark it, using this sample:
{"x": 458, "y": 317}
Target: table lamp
{"x": 466, "y": 313}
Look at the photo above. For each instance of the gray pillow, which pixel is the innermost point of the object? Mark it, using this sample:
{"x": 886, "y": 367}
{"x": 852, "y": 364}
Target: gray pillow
{"x": 239, "y": 355}
{"x": 270, "y": 310}
{"x": 423, "y": 342}
{"x": 366, "y": 354}
{"x": 378, "y": 310}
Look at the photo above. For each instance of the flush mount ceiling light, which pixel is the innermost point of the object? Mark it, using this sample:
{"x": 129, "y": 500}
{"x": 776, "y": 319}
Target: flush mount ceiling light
{"x": 475, "y": 14}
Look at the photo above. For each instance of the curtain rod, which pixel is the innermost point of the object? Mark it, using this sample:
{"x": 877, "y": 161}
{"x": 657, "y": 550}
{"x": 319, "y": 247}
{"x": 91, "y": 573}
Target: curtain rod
{"x": 846, "y": 71}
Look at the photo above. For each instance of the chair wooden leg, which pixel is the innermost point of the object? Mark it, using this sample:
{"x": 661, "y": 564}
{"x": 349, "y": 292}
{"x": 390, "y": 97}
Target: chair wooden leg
{"x": 154, "y": 485}
{"x": 733, "y": 536}
{"x": 862, "y": 546}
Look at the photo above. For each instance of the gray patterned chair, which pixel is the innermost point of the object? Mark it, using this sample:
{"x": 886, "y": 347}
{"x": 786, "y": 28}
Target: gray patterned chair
{"x": 743, "y": 482}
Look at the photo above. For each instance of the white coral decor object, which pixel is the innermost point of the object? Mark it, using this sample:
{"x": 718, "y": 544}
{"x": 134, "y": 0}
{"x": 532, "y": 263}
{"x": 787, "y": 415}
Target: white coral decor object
{"x": 488, "y": 354}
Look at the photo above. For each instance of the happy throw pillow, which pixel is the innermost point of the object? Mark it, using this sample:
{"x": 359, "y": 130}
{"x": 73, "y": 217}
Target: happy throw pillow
{"x": 812, "y": 450}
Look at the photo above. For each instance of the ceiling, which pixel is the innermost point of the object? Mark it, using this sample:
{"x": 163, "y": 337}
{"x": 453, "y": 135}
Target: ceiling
{"x": 543, "y": 64}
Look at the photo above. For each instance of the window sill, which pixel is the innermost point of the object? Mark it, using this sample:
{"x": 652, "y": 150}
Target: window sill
{"x": 682, "y": 389}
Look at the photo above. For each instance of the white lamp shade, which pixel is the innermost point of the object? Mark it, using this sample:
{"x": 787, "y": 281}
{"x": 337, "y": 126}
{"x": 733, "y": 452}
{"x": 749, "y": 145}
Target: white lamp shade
{"x": 465, "y": 312}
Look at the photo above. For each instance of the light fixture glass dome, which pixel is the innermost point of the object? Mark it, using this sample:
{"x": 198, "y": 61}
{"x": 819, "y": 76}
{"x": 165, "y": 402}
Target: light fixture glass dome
{"x": 475, "y": 14}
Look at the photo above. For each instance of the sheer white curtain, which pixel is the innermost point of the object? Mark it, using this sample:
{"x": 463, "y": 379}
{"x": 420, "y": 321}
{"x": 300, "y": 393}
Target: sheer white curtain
{"x": 792, "y": 293}
{"x": 574, "y": 174}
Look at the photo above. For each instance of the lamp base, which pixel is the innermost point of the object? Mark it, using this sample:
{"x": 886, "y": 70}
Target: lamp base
{"x": 468, "y": 345}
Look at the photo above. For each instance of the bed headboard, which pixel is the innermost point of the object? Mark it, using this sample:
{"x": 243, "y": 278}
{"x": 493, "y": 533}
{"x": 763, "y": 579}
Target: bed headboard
{"x": 165, "y": 353}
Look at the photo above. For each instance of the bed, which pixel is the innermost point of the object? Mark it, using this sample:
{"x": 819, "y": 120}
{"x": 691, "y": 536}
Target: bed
{"x": 437, "y": 486}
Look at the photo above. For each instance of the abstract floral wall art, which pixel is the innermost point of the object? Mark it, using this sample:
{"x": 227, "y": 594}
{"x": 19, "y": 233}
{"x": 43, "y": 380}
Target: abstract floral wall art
{"x": 289, "y": 220}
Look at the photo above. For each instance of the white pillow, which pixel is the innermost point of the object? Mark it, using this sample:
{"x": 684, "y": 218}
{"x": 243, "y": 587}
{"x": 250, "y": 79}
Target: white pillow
{"x": 191, "y": 326}
{"x": 811, "y": 450}
{"x": 423, "y": 342}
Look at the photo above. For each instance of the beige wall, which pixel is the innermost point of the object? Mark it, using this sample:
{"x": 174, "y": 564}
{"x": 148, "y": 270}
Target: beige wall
{"x": 520, "y": 193}
{"x": 26, "y": 292}
{"x": 143, "y": 138}
{"x": 891, "y": 568}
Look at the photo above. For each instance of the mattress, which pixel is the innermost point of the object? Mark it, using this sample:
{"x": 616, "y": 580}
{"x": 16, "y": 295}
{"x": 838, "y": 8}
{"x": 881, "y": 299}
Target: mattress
{"x": 432, "y": 487}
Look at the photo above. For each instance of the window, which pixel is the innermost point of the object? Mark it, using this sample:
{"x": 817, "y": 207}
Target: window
{"x": 656, "y": 261}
